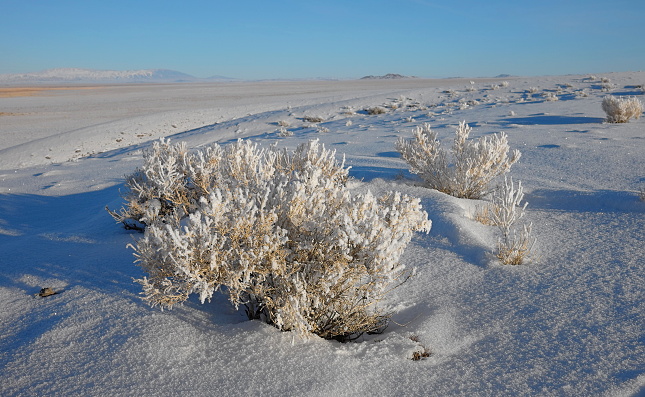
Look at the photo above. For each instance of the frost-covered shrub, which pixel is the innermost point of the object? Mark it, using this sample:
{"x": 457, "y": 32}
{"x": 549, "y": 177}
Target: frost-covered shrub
{"x": 621, "y": 110}
{"x": 550, "y": 97}
{"x": 515, "y": 248}
{"x": 375, "y": 110}
{"x": 474, "y": 163}
{"x": 159, "y": 189}
{"x": 284, "y": 132}
{"x": 504, "y": 211}
{"x": 313, "y": 119}
{"x": 349, "y": 111}
{"x": 278, "y": 232}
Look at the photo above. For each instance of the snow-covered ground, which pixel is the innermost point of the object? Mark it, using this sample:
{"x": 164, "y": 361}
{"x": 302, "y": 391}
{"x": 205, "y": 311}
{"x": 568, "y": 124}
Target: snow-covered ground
{"x": 568, "y": 323}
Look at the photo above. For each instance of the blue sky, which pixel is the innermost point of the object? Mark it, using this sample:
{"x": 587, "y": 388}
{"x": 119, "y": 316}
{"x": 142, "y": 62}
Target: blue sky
{"x": 330, "y": 39}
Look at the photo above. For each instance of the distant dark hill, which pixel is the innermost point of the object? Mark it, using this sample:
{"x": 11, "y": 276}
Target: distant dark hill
{"x": 389, "y": 76}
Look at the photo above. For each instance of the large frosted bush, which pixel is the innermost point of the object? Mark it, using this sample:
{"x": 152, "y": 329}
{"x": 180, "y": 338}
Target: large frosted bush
{"x": 277, "y": 231}
{"x": 621, "y": 110}
{"x": 467, "y": 170}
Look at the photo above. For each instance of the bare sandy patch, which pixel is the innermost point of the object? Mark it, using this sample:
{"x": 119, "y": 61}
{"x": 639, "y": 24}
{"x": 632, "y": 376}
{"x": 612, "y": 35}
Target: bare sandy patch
{"x": 10, "y": 92}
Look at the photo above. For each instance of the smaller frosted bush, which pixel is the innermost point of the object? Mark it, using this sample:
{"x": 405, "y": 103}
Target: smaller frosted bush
{"x": 474, "y": 163}
{"x": 505, "y": 209}
{"x": 621, "y": 110}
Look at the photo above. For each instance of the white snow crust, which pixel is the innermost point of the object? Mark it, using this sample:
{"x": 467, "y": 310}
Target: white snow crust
{"x": 570, "y": 322}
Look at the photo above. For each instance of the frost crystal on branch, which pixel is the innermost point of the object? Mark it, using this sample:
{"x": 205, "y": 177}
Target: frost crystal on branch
{"x": 475, "y": 163}
{"x": 277, "y": 231}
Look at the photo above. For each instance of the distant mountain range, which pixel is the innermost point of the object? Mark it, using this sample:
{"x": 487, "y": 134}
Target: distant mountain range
{"x": 85, "y": 76}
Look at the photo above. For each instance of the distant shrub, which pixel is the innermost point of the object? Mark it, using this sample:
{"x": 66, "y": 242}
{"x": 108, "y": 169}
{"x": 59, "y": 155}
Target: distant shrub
{"x": 550, "y": 97}
{"x": 277, "y": 231}
{"x": 582, "y": 93}
{"x": 375, "y": 110}
{"x": 621, "y": 110}
{"x": 349, "y": 111}
{"x": 283, "y": 132}
{"x": 474, "y": 163}
{"x": 313, "y": 119}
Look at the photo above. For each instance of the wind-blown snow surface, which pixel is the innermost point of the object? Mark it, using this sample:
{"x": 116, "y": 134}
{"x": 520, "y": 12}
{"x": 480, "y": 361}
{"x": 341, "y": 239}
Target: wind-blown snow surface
{"x": 568, "y": 323}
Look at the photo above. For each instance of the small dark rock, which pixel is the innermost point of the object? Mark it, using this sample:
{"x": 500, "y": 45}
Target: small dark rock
{"x": 46, "y": 292}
